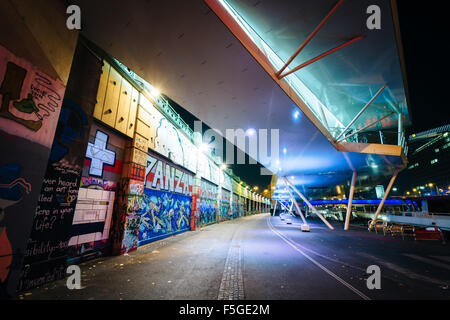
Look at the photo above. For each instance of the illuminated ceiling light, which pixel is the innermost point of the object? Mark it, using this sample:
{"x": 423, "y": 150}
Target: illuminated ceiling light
{"x": 374, "y": 165}
{"x": 292, "y": 177}
{"x": 155, "y": 92}
{"x": 255, "y": 188}
{"x": 284, "y": 150}
{"x": 204, "y": 147}
{"x": 394, "y": 189}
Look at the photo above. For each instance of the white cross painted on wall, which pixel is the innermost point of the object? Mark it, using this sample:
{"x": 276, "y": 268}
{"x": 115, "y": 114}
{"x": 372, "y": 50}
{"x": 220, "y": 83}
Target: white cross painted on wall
{"x": 99, "y": 155}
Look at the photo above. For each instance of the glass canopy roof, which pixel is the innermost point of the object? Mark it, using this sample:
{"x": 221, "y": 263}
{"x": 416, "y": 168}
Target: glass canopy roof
{"x": 338, "y": 86}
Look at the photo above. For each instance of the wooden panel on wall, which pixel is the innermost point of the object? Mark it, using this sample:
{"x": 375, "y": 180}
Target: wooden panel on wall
{"x": 112, "y": 98}
{"x": 123, "y": 108}
{"x": 101, "y": 93}
{"x": 131, "y": 126}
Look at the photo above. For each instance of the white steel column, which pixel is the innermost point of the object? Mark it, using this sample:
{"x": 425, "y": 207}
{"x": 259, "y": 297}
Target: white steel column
{"x": 400, "y": 129}
{"x": 350, "y": 200}
{"x": 384, "y": 199}
{"x": 295, "y": 204}
{"x": 275, "y": 207}
{"x": 308, "y": 203}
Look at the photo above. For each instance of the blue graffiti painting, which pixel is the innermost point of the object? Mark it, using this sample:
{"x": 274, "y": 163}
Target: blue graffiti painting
{"x": 163, "y": 214}
{"x": 208, "y": 213}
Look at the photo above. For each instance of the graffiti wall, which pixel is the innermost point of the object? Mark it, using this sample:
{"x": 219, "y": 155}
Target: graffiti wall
{"x": 102, "y": 170}
{"x": 168, "y": 140}
{"x": 225, "y": 210}
{"x": 30, "y": 105}
{"x": 208, "y": 206}
{"x": 46, "y": 254}
{"x": 242, "y": 206}
{"x": 235, "y": 206}
{"x": 166, "y": 202}
{"x": 163, "y": 214}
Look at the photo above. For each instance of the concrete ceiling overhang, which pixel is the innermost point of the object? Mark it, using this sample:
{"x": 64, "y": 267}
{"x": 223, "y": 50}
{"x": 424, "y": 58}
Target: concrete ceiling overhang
{"x": 183, "y": 48}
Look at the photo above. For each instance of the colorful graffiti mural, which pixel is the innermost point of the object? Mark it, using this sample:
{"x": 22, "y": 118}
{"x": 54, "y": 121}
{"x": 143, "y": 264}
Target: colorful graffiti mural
{"x": 163, "y": 176}
{"x": 225, "y": 210}
{"x": 207, "y": 204}
{"x": 163, "y": 214}
{"x": 53, "y": 215}
{"x": 30, "y": 106}
{"x": 170, "y": 141}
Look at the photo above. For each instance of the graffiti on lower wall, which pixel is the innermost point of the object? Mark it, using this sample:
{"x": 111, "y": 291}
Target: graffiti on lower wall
{"x": 48, "y": 243}
{"x": 207, "y": 205}
{"x": 30, "y": 103}
{"x": 225, "y": 212}
{"x": 163, "y": 214}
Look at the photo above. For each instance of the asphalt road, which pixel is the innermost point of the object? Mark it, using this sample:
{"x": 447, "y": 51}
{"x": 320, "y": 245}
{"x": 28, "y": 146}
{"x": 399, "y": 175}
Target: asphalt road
{"x": 262, "y": 257}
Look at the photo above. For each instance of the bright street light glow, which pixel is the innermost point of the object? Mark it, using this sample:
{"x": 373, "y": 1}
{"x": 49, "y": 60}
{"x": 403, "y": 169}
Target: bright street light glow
{"x": 154, "y": 92}
{"x": 204, "y": 147}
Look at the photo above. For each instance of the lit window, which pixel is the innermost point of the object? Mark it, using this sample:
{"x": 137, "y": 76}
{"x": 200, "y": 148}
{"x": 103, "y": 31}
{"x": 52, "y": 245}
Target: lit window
{"x": 434, "y": 161}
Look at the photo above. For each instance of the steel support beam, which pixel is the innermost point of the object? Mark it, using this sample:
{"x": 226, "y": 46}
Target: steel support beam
{"x": 307, "y": 40}
{"x": 323, "y": 55}
{"x": 275, "y": 207}
{"x": 380, "y": 207}
{"x": 296, "y": 205}
{"x": 400, "y": 129}
{"x": 350, "y": 200}
{"x": 288, "y": 183}
{"x": 362, "y": 110}
{"x": 366, "y": 127}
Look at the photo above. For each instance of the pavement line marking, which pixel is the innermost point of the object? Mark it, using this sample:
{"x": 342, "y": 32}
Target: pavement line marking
{"x": 429, "y": 261}
{"x": 404, "y": 271}
{"x": 336, "y": 277}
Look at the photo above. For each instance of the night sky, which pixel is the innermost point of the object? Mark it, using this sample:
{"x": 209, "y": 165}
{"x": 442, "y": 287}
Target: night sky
{"x": 424, "y": 28}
